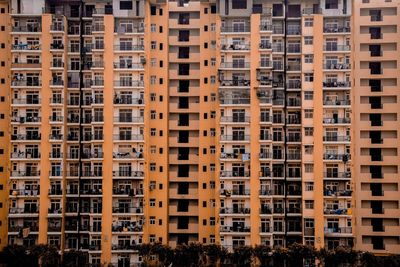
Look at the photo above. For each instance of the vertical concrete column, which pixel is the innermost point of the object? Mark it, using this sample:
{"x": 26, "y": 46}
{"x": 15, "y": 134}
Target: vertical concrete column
{"x": 45, "y": 146}
{"x": 318, "y": 132}
{"x": 108, "y": 138}
{"x": 254, "y": 131}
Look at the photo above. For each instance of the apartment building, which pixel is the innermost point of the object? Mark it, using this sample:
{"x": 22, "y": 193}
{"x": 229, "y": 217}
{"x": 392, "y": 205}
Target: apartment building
{"x": 231, "y": 122}
{"x": 376, "y": 127}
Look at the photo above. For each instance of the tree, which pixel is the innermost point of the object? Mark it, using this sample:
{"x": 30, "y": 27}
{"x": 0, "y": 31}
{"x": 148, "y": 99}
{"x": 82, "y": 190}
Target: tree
{"x": 280, "y": 257}
{"x": 75, "y": 258}
{"x": 299, "y": 253}
{"x": 45, "y": 255}
{"x": 16, "y": 256}
{"x": 242, "y": 256}
{"x": 264, "y": 255}
{"x": 214, "y": 253}
{"x": 164, "y": 253}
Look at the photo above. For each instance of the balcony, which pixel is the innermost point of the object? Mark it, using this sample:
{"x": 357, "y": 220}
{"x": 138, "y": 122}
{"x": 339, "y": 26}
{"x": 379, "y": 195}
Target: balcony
{"x": 26, "y": 101}
{"x": 126, "y": 227}
{"x": 337, "y": 84}
{"x": 121, "y": 29}
{"x": 128, "y": 65}
{"x": 26, "y": 65}
{"x": 128, "y": 47}
{"x": 336, "y": 138}
{"x": 128, "y": 174}
{"x": 294, "y": 84}
{"x": 235, "y": 119}
{"x": 234, "y": 210}
{"x": 336, "y": 48}
{"x": 235, "y": 65}
{"x": 337, "y": 230}
{"x": 238, "y": 137}
{"x": 337, "y": 102}
{"x": 235, "y": 83}
{"x": 24, "y": 211}
{"x": 337, "y": 29}
{"x": 26, "y": 119}
{"x": 27, "y": 173}
{"x": 334, "y": 156}
{"x": 26, "y": 47}
{"x": 235, "y": 229}
{"x": 338, "y": 193}
{"x": 129, "y": 137}
{"x": 234, "y": 155}
{"x": 127, "y": 155}
{"x": 123, "y": 247}
{"x": 337, "y": 66}
{"x": 265, "y": 27}
{"x": 337, "y": 211}
{"x": 265, "y": 45}
{"x": 126, "y": 209}
{"x": 234, "y": 101}
{"x": 337, "y": 175}
{"x": 225, "y": 174}
{"x": 25, "y": 192}
{"x": 128, "y": 83}
{"x": 235, "y": 47}
{"x": 30, "y": 28}
{"x": 235, "y": 192}
{"x": 16, "y": 82}
{"x": 35, "y": 136}
{"x": 336, "y": 120}
{"x": 236, "y": 29}
{"x": 128, "y": 191}
{"x": 128, "y": 119}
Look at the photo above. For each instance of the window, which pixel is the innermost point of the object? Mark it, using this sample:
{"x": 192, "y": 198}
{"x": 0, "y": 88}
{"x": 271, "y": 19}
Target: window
{"x": 308, "y": 95}
{"x": 125, "y": 5}
{"x": 153, "y": 45}
{"x": 153, "y": 10}
{"x": 309, "y": 204}
{"x": 308, "y": 22}
{"x": 309, "y": 168}
{"x": 308, "y": 113}
{"x": 153, "y": 27}
{"x": 152, "y": 97}
{"x": 309, "y": 77}
{"x": 309, "y": 131}
{"x": 308, "y": 40}
{"x": 152, "y": 167}
{"x": 239, "y": 4}
{"x": 152, "y": 220}
{"x": 331, "y": 4}
{"x": 309, "y": 186}
{"x": 308, "y": 58}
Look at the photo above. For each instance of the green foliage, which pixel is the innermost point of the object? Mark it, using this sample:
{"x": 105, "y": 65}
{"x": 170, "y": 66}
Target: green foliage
{"x": 195, "y": 254}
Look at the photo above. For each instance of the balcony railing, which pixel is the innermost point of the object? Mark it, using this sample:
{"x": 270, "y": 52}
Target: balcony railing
{"x": 235, "y": 137}
{"x": 234, "y": 101}
{"x": 128, "y": 47}
{"x": 30, "y": 136}
{"x": 336, "y": 47}
{"x": 128, "y": 65}
{"x": 127, "y": 100}
{"x": 336, "y": 211}
{"x": 26, "y": 210}
{"x": 128, "y": 83}
{"x": 27, "y": 28}
{"x": 337, "y": 84}
{"x": 338, "y": 102}
{"x": 26, "y": 101}
{"x": 25, "y": 192}
{"x": 128, "y": 119}
{"x": 242, "y": 46}
{"x": 127, "y": 209}
{"x": 128, "y": 137}
{"x": 235, "y": 192}
{"x": 237, "y": 210}
{"x": 235, "y": 65}
{"x": 128, "y": 29}
{"x": 235, "y": 83}
{"x": 237, "y": 29}
{"x": 336, "y": 138}
{"x": 338, "y": 193}
{"x": 25, "y": 173}
{"x": 235, "y": 174}
{"x": 235, "y": 229}
{"x": 26, "y": 82}
{"x": 338, "y": 230}
{"x": 235, "y": 119}
{"x": 29, "y": 47}
{"x": 124, "y": 173}
{"x": 337, "y": 66}
{"x": 333, "y": 156}
{"x": 336, "y": 29}
{"x": 335, "y": 120}
{"x": 128, "y": 191}
{"x": 337, "y": 175}
{"x": 26, "y": 119}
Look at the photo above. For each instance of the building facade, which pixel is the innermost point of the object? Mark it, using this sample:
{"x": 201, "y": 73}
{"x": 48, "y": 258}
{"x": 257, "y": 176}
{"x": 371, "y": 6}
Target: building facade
{"x": 230, "y": 122}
